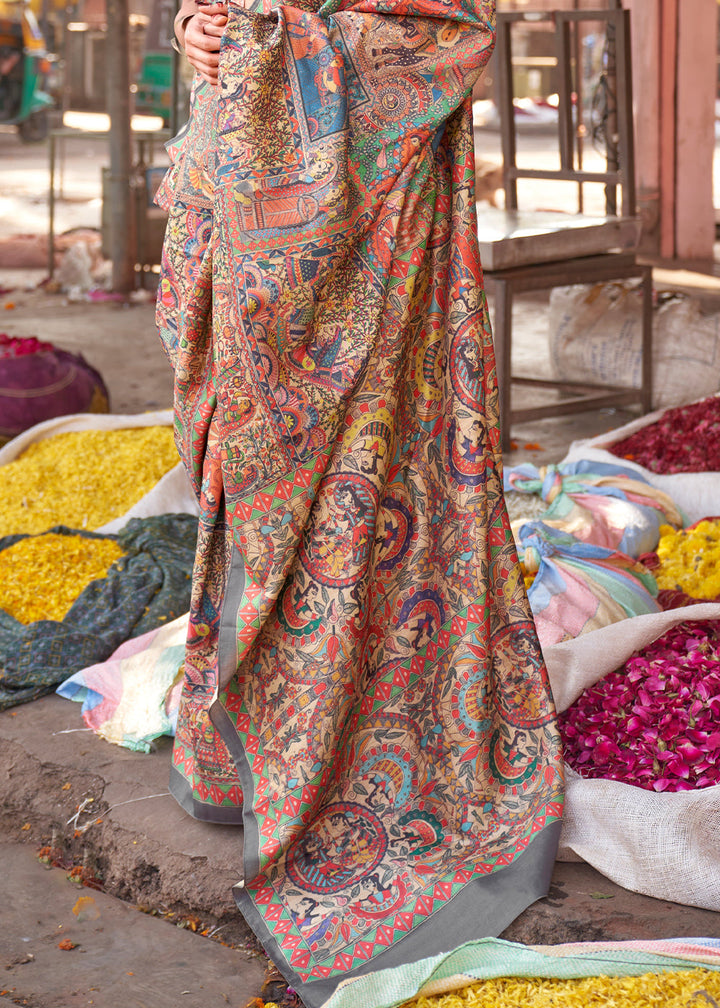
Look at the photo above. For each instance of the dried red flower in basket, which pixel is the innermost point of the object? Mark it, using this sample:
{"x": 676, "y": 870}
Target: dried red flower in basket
{"x": 654, "y": 722}
{"x": 683, "y": 439}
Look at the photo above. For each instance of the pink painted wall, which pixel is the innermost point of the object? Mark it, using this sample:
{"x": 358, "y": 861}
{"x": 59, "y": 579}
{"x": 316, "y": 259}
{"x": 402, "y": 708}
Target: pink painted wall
{"x": 696, "y": 87}
{"x": 674, "y": 77}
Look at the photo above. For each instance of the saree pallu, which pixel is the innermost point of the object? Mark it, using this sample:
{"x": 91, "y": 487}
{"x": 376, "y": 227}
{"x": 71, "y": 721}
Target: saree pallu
{"x": 364, "y": 689}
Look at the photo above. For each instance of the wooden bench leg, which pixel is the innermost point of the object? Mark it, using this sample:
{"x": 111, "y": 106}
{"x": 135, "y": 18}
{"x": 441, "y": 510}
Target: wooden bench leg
{"x": 647, "y": 341}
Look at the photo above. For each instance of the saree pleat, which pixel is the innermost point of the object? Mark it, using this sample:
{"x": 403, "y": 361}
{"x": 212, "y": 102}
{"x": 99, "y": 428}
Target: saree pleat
{"x": 364, "y": 689}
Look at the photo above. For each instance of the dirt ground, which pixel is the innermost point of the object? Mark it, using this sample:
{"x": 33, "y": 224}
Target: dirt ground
{"x": 118, "y": 339}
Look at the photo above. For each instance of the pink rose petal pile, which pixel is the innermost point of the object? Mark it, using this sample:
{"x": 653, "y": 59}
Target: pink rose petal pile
{"x": 683, "y": 439}
{"x": 20, "y": 346}
{"x": 656, "y": 722}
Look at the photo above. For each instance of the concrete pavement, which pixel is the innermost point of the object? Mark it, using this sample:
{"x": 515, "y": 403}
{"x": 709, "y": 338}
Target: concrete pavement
{"x": 63, "y": 945}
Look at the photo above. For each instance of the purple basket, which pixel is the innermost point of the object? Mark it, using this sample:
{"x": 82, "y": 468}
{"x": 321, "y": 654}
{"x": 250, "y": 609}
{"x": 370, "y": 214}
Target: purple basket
{"x": 47, "y": 383}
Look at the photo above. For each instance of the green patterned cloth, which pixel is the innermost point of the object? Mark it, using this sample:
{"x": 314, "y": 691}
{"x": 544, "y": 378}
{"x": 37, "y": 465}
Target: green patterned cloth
{"x": 489, "y": 958}
{"x": 143, "y": 589}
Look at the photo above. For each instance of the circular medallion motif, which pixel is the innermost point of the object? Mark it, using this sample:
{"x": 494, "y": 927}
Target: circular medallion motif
{"x": 522, "y": 698}
{"x": 466, "y": 367}
{"x": 467, "y": 455}
{"x": 395, "y": 100}
{"x": 394, "y": 532}
{"x": 469, "y": 701}
{"x": 377, "y": 903}
{"x": 389, "y": 774}
{"x": 509, "y": 763}
{"x": 421, "y": 616}
{"x": 429, "y": 369}
{"x": 296, "y": 609}
{"x": 422, "y": 830}
{"x": 463, "y": 710}
{"x": 196, "y": 242}
{"x": 347, "y": 842}
{"x": 336, "y": 545}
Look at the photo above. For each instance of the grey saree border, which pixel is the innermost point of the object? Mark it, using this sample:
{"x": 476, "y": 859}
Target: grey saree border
{"x": 182, "y": 793}
{"x": 178, "y": 786}
{"x": 483, "y": 908}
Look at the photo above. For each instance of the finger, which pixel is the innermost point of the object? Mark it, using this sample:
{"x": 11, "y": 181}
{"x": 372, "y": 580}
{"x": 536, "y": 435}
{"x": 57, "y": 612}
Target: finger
{"x": 214, "y": 31}
{"x": 197, "y": 39}
{"x": 204, "y": 65}
{"x": 207, "y": 74}
{"x": 202, "y": 57}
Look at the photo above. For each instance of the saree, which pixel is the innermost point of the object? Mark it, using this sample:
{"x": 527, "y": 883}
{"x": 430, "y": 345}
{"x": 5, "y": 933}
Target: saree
{"x": 364, "y": 691}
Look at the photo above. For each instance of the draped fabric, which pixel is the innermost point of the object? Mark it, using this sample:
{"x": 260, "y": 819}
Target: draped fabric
{"x": 606, "y": 505}
{"x": 141, "y": 591}
{"x": 578, "y": 586}
{"x": 364, "y": 689}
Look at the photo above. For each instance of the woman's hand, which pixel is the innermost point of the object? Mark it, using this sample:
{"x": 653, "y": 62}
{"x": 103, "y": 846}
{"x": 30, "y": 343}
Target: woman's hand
{"x": 203, "y": 32}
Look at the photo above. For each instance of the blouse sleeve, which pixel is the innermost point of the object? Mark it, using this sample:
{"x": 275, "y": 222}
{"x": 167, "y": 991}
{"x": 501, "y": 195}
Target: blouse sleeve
{"x": 187, "y": 9}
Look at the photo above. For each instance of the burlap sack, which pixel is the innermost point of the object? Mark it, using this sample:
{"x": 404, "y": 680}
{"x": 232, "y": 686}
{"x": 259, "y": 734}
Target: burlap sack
{"x": 596, "y": 336}
{"x": 665, "y": 845}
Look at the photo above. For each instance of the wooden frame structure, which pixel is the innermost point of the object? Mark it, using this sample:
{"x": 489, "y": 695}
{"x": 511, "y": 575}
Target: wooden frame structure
{"x": 524, "y": 252}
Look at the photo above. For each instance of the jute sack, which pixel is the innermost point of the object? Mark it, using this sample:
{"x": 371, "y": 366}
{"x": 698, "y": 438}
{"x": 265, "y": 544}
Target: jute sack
{"x": 171, "y": 495}
{"x": 596, "y": 336}
{"x": 665, "y": 845}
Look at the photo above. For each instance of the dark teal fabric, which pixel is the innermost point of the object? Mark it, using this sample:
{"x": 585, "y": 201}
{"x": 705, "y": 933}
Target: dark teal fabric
{"x": 147, "y": 587}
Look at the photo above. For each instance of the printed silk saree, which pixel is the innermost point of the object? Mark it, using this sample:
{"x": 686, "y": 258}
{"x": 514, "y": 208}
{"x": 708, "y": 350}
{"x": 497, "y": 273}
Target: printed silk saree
{"x": 364, "y": 691}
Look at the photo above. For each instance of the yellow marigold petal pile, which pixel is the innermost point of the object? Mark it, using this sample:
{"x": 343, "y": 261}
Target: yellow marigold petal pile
{"x": 690, "y": 559}
{"x": 82, "y": 479}
{"x": 527, "y": 576}
{"x": 41, "y": 576}
{"x": 651, "y": 990}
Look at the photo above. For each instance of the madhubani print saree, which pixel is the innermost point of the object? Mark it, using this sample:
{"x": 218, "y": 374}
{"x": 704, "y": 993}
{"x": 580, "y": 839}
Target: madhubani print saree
{"x": 364, "y": 691}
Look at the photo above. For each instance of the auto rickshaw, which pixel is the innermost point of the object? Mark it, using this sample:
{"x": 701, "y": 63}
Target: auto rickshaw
{"x": 24, "y": 68}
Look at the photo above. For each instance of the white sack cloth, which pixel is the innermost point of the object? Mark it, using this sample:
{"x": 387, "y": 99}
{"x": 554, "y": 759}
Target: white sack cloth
{"x": 665, "y": 845}
{"x": 697, "y": 495}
